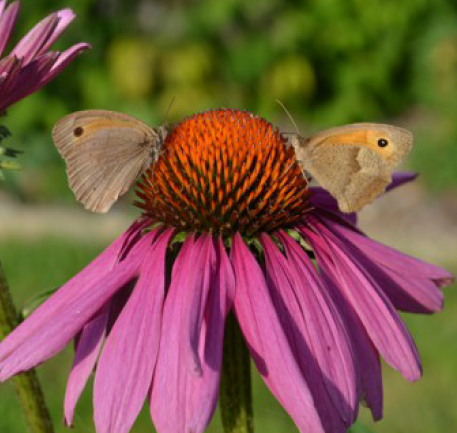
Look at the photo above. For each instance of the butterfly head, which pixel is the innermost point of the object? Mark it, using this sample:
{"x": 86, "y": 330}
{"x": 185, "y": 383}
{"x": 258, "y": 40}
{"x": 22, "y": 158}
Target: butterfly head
{"x": 158, "y": 142}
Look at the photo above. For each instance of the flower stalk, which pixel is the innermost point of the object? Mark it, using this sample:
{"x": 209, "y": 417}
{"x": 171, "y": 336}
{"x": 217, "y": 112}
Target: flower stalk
{"x": 27, "y": 386}
{"x": 6, "y": 151}
{"x": 236, "y": 394}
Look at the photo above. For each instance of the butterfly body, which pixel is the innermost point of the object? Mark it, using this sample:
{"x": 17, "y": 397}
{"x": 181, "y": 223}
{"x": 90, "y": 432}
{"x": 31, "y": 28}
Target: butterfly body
{"x": 105, "y": 152}
{"x": 353, "y": 162}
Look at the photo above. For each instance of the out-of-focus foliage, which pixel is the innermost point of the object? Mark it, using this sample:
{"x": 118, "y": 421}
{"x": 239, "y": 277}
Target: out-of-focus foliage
{"x": 329, "y": 61}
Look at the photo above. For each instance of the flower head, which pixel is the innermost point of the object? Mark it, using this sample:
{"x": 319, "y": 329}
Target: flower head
{"x": 229, "y": 223}
{"x": 31, "y": 64}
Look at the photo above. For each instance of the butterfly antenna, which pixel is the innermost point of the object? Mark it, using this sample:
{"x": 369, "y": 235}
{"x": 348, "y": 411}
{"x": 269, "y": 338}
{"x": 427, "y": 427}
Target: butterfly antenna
{"x": 169, "y": 109}
{"x": 288, "y": 115}
{"x": 298, "y": 133}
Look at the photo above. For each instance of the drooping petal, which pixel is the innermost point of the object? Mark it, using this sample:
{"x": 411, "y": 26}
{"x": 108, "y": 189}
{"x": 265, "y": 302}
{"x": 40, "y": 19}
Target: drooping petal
{"x": 267, "y": 341}
{"x": 334, "y": 410}
{"x": 327, "y": 337}
{"x": 86, "y": 353}
{"x": 390, "y": 258}
{"x": 369, "y": 369}
{"x": 376, "y": 312}
{"x": 64, "y": 314}
{"x": 194, "y": 296}
{"x": 118, "y": 303}
{"x": 407, "y": 291}
{"x": 167, "y": 399}
{"x": 203, "y": 391}
{"x": 97, "y": 269}
{"x": 182, "y": 401}
{"x": 7, "y": 20}
{"x": 400, "y": 178}
{"x": 127, "y": 362}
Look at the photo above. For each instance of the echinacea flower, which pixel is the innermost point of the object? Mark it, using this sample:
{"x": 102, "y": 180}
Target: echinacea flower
{"x": 31, "y": 64}
{"x": 230, "y": 224}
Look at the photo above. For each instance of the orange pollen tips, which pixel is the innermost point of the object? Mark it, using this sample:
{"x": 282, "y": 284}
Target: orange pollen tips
{"x": 224, "y": 171}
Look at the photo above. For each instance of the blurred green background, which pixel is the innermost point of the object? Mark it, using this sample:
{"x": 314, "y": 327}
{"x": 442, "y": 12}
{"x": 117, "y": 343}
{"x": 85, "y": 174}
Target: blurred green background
{"x": 329, "y": 61}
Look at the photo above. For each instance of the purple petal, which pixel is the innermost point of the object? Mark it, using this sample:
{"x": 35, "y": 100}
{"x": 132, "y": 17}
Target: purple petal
{"x": 369, "y": 369}
{"x": 31, "y": 44}
{"x": 7, "y": 21}
{"x": 7, "y": 64}
{"x": 267, "y": 342}
{"x": 118, "y": 303}
{"x": 64, "y": 60}
{"x": 407, "y": 292}
{"x": 180, "y": 400}
{"x": 168, "y": 393}
{"x": 64, "y": 314}
{"x": 8, "y": 87}
{"x": 414, "y": 295}
{"x": 324, "y": 201}
{"x": 64, "y": 18}
{"x": 399, "y": 179}
{"x": 97, "y": 269}
{"x": 323, "y": 328}
{"x": 194, "y": 295}
{"x": 28, "y": 79}
{"x": 86, "y": 353}
{"x": 392, "y": 259}
{"x": 126, "y": 366}
{"x": 376, "y": 312}
{"x": 203, "y": 391}
{"x": 293, "y": 321}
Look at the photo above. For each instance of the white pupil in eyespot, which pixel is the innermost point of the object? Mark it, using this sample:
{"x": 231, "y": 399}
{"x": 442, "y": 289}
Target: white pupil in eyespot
{"x": 382, "y": 142}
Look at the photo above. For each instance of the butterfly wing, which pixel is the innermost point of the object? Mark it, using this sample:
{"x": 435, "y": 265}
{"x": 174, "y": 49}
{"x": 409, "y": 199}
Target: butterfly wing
{"x": 105, "y": 152}
{"x": 354, "y": 162}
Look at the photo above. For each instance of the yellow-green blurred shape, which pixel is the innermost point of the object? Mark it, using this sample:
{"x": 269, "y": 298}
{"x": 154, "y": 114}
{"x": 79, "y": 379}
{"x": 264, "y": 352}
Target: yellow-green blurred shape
{"x": 187, "y": 99}
{"x": 187, "y": 64}
{"x": 443, "y": 64}
{"x": 290, "y": 77}
{"x": 131, "y": 64}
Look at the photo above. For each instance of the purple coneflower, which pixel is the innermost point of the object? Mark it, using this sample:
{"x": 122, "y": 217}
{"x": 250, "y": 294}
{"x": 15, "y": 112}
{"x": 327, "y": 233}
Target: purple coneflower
{"x": 230, "y": 224}
{"x": 30, "y": 65}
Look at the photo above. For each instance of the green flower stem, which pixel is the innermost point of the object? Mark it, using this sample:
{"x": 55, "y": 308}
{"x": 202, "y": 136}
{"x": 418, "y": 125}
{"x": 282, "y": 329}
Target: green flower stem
{"x": 27, "y": 386}
{"x": 236, "y": 394}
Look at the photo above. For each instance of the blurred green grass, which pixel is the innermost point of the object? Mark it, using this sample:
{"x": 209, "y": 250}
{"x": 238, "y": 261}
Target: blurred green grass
{"x": 428, "y": 406}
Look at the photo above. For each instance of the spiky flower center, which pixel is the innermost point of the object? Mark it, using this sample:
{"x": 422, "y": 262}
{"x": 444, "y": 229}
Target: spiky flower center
{"x": 224, "y": 171}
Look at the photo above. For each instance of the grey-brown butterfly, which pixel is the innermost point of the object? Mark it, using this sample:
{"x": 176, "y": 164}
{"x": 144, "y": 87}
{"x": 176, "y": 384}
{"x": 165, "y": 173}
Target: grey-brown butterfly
{"x": 105, "y": 152}
{"x": 355, "y": 162}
